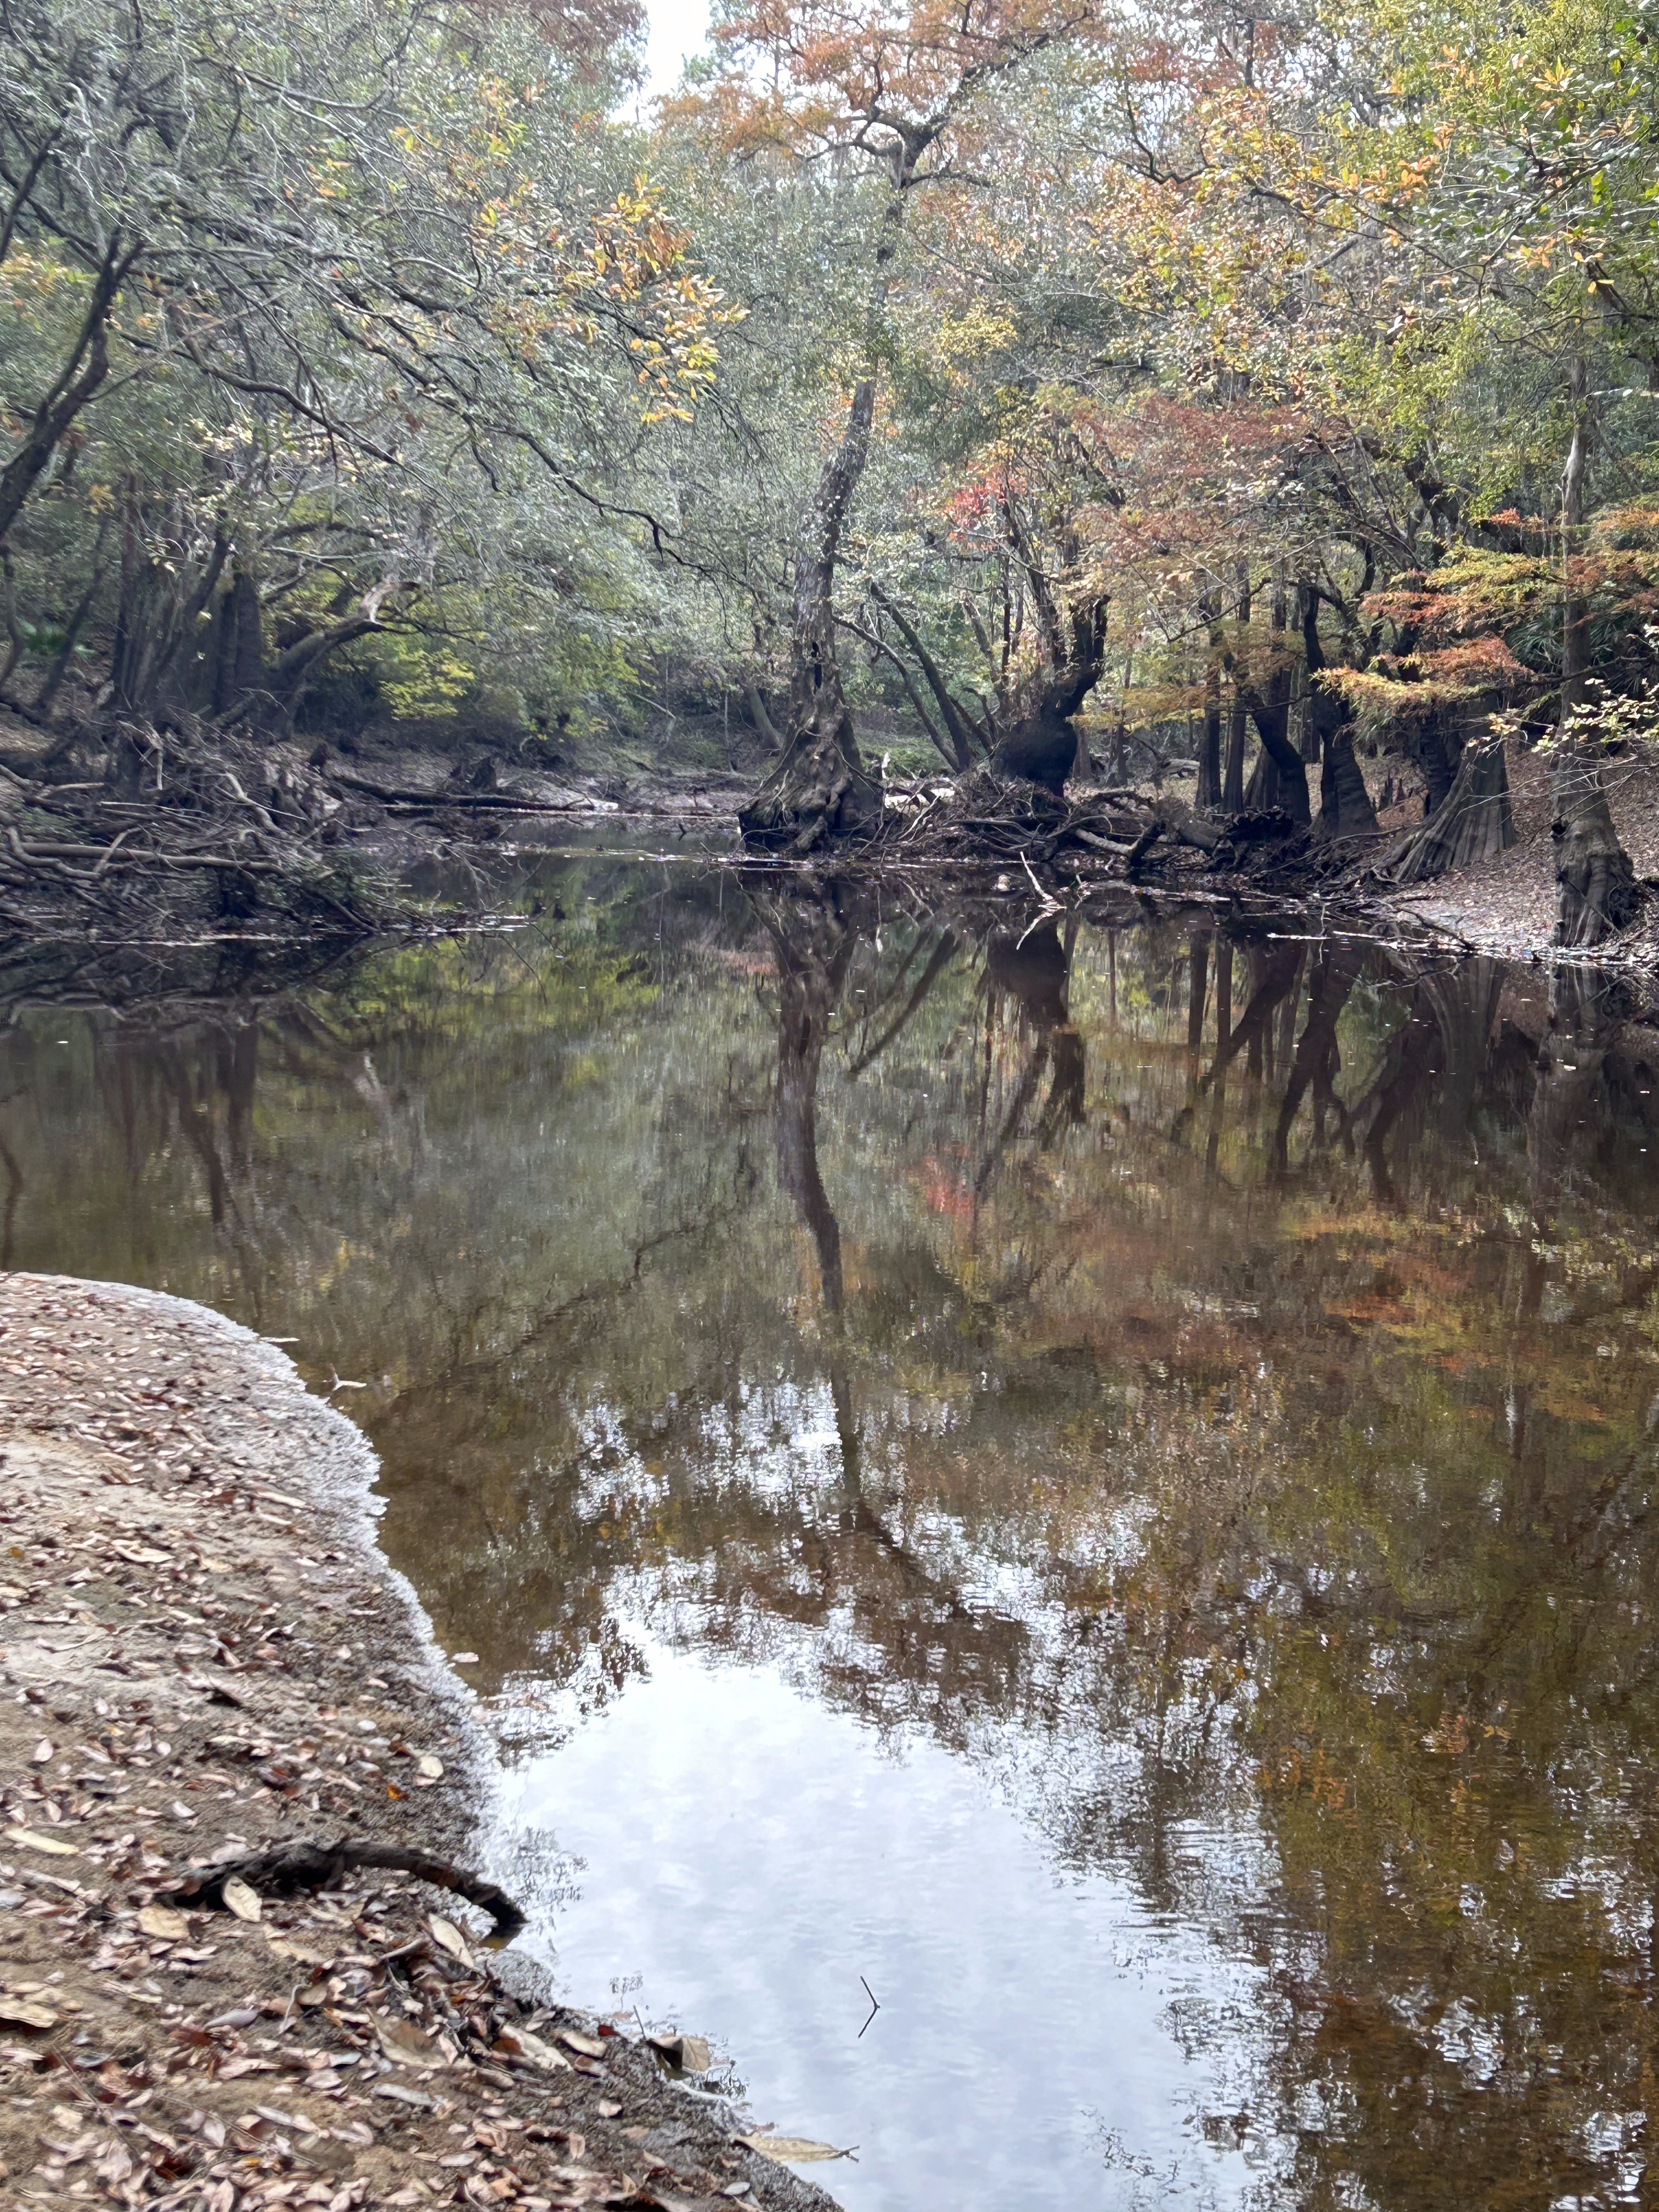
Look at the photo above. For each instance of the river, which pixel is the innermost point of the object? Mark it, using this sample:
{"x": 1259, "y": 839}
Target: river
{"x": 1056, "y": 1524}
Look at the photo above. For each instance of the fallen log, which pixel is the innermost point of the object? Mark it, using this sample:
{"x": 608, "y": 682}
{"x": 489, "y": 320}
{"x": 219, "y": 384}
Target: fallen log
{"x": 444, "y": 796}
{"x": 34, "y": 849}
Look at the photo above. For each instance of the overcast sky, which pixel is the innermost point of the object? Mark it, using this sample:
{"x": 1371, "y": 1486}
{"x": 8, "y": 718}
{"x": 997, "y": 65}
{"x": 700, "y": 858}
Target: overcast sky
{"x": 678, "y": 28}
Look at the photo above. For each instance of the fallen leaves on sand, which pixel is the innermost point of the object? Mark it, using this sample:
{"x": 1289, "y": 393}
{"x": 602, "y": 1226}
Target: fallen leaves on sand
{"x": 402, "y": 2040}
{"x": 371, "y": 2027}
{"x": 518, "y": 2041}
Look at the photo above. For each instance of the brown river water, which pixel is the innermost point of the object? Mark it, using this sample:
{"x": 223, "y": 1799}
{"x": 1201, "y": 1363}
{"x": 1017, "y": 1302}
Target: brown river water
{"x": 1057, "y": 1523}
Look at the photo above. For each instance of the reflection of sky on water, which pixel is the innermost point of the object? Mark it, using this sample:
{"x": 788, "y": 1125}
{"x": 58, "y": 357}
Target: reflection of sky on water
{"x": 749, "y": 1854}
{"x": 1166, "y": 1569}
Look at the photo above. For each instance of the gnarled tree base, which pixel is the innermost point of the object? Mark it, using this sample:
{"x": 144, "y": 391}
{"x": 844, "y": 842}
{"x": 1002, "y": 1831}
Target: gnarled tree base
{"x": 1596, "y": 892}
{"x": 820, "y": 793}
{"x": 1474, "y": 822}
{"x": 1041, "y": 750}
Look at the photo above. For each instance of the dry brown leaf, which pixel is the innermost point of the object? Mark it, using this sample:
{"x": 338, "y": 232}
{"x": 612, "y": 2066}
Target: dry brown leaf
{"x": 403, "y": 2041}
{"x": 539, "y": 2053}
{"x": 689, "y": 2053}
{"x": 591, "y": 2046}
{"x": 450, "y": 1936}
{"x": 285, "y": 1948}
{"x": 31, "y": 1839}
{"x": 165, "y": 1926}
{"x": 793, "y": 2150}
{"x": 18, "y": 2012}
{"x": 240, "y": 1899}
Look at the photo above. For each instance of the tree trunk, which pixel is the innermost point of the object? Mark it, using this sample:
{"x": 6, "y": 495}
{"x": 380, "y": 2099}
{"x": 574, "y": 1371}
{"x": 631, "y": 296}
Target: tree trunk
{"x": 961, "y": 736}
{"x": 76, "y": 383}
{"x": 1474, "y": 823}
{"x": 1232, "y": 778}
{"x": 60, "y": 666}
{"x": 9, "y": 606}
{"x": 274, "y": 703}
{"x": 1261, "y": 791}
{"x": 248, "y": 642}
{"x": 1232, "y": 773}
{"x": 1269, "y": 704}
{"x": 1574, "y": 613}
{"x": 1596, "y": 894}
{"x": 820, "y": 790}
{"x": 1041, "y": 748}
{"x": 1208, "y": 793}
{"x": 1345, "y": 805}
{"x": 764, "y": 727}
{"x": 1439, "y": 756}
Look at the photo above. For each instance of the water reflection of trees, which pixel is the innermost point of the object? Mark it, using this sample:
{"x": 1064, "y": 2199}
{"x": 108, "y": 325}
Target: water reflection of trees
{"x": 1207, "y": 1379}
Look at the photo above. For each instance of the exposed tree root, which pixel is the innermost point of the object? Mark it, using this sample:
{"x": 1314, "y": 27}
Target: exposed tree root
{"x": 320, "y": 1866}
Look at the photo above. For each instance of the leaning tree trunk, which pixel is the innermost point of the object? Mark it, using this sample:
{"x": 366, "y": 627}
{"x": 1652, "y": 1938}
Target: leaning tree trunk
{"x": 1474, "y": 822}
{"x": 820, "y": 789}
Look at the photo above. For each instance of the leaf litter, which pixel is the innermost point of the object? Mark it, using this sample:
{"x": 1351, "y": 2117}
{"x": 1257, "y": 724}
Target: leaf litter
{"x": 175, "y": 1693}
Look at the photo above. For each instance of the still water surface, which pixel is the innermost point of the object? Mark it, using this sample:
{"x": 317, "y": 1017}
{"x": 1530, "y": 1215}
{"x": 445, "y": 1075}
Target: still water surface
{"x": 1096, "y": 1485}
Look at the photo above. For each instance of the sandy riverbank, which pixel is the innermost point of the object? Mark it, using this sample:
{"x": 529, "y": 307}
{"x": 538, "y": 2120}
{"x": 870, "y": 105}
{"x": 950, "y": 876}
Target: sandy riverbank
{"x": 203, "y": 1655}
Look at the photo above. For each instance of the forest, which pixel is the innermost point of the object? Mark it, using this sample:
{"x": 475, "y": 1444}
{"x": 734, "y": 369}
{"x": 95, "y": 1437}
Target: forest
{"x": 917, "y": 411}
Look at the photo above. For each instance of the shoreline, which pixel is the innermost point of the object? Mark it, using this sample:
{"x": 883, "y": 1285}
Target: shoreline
{"x": 204, "y": 1654}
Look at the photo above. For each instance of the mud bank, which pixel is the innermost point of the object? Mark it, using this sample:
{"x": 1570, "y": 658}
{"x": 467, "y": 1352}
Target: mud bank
{"x": 204, "y": 1656}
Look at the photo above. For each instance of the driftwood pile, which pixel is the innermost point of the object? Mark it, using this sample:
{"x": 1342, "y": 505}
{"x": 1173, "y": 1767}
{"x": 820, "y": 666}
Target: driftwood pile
{"x": 140, "y": 831}
{"x": 1128, "y": 836}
